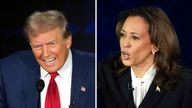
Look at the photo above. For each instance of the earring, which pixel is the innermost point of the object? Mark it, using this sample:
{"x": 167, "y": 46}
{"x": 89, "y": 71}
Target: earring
{"x": 153, "y": 52}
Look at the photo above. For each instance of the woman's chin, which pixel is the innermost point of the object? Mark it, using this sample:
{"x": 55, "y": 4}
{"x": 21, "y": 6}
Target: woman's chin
{"x": 126, "y": 62}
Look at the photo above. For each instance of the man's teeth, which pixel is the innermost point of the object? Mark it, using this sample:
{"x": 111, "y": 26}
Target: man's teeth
{"x": 49, "y": 61}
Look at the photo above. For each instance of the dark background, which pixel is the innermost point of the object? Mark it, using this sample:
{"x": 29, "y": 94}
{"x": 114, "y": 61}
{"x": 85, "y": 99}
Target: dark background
{"x": 13, "y": 13}
{"x": 179, "y": 12}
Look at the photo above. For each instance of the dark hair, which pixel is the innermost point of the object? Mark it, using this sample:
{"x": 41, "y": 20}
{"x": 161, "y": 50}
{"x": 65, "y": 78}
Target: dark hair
{"x": 40, "y": 22}
{"x": 163, "y": 36}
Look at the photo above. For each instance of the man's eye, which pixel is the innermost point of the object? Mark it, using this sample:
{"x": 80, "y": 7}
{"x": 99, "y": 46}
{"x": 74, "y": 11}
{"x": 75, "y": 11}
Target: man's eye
{"x": 37, "y": 46}
{"x": 52, "y": 44}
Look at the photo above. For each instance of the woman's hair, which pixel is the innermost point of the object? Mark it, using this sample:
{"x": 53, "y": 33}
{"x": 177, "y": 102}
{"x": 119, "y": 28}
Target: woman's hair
{"x": 40, "y": 22}
{"x": 163, "y": 36}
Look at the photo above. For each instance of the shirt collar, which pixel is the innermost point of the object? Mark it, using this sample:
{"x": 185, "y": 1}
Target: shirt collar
{"x": 149, "y": 75}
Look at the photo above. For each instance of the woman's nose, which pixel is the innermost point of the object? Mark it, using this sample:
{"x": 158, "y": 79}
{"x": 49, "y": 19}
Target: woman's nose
{"x": 127, "y": 43}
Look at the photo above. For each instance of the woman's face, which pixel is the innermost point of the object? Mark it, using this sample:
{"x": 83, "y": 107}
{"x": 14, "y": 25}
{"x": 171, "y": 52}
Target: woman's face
{"x": 136, "y": 47}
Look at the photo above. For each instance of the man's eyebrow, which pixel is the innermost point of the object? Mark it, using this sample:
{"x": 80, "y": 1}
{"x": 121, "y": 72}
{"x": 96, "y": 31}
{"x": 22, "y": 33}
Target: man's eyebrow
{"x": 51, "y": 41}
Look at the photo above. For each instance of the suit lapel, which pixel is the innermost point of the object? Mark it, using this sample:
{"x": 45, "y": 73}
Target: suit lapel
{"x": 126, "y": 88}
{"x": 153, "y": 95}
{"x": 32, "y": 75}
{"x": 79, "y": 85}
{"x": 78, "y": 88}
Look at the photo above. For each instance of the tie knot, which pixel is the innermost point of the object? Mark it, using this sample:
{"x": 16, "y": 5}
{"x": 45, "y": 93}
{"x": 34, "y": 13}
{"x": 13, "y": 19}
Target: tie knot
{"x": 53, "y": 75}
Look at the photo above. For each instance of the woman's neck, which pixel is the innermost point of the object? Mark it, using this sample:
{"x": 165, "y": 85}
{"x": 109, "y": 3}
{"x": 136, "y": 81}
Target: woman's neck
{"x": 140, "y": 70}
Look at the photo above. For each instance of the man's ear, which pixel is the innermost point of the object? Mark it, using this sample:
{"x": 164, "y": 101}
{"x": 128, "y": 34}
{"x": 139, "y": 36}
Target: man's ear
{"x": 68, "y": 41}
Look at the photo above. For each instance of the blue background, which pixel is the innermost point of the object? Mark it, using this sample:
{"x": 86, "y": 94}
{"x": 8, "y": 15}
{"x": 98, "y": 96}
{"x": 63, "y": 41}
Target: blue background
{"x": 13, "y": 13}
{"x": 179, "y": 12}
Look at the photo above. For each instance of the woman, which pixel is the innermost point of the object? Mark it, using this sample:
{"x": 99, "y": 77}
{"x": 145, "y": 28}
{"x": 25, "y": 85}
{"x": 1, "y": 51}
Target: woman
{"x": 145, "y": 74}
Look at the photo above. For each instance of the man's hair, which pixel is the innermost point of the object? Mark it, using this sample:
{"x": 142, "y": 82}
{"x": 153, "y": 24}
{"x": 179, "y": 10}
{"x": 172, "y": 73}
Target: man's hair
{"x": 162, "y": 34}
{"x": 40, "y": 22}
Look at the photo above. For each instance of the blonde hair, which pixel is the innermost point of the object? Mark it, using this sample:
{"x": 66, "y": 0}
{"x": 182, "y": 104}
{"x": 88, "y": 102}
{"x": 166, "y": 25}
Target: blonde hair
{"x": 40, "y": 22}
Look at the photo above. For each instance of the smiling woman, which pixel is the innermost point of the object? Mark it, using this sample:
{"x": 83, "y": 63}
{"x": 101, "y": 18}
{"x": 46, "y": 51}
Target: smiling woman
{"x": 145, "y": 73}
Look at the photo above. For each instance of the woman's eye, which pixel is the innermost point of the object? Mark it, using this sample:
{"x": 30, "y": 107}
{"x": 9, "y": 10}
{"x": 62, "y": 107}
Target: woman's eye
{"x": 122, "y": 35}
{"x": 135, "y": 37}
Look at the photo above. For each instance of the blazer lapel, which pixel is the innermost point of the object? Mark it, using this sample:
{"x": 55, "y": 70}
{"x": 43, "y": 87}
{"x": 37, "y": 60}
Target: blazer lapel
{"x": 78, "y": 88}
{"x": 153, "y": 95}
{"x": 79, "y": 85}
{"x": 126, "y": 88}
{"x": 32, "y": 75}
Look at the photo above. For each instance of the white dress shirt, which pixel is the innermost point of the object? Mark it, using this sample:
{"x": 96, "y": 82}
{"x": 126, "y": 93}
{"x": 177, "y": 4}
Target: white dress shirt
{"x": 63, "y": 81}
{"x": 141, "y": 85}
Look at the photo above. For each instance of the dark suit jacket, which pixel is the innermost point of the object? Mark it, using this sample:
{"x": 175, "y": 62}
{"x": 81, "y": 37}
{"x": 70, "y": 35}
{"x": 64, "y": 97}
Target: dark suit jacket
{"x": 116, "y": 91}
{"x": 20, "y": 72}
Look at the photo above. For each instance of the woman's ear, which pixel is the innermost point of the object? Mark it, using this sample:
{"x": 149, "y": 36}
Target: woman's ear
{"x": 154, "y": 49}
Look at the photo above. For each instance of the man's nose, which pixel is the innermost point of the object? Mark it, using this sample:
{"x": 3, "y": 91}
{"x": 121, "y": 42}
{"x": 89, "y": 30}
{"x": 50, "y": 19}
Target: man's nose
{"x": 46, "y": 51}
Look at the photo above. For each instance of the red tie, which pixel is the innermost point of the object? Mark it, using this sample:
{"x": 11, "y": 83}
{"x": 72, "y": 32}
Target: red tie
{"x": 52, "y": 98}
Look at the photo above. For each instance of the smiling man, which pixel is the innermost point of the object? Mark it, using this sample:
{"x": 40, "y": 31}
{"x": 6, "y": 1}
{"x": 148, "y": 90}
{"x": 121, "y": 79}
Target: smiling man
{"x": 67, "y": 75}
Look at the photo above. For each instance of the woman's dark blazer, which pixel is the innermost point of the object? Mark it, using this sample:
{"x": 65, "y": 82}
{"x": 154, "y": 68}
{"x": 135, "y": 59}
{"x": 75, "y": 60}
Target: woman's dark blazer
{"x": 116, "y": 91}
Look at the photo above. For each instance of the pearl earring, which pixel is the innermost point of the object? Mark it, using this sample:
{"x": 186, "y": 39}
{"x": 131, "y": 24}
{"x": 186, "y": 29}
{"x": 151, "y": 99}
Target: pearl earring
{"x": 153, "y": 52}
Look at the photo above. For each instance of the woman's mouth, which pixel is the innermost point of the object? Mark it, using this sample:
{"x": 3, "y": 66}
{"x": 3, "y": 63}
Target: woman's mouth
{"x": 125, "y": 55}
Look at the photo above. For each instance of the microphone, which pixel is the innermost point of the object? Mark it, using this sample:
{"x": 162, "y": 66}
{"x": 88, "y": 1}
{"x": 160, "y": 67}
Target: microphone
{"x": 40, "y": 86}
{"x": 71, "y": 104}
{"x": 130, "y": 87}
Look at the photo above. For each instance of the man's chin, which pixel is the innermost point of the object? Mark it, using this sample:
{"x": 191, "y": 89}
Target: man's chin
{"x": 51, "y": 68}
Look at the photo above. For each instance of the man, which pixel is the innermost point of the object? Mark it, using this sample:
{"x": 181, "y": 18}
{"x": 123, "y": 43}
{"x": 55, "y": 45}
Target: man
{"x": 50, "y": 39}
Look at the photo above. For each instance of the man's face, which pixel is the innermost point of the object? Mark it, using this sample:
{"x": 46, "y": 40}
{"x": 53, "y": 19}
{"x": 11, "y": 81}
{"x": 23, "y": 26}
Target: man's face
{"x": 50, "y": 49}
